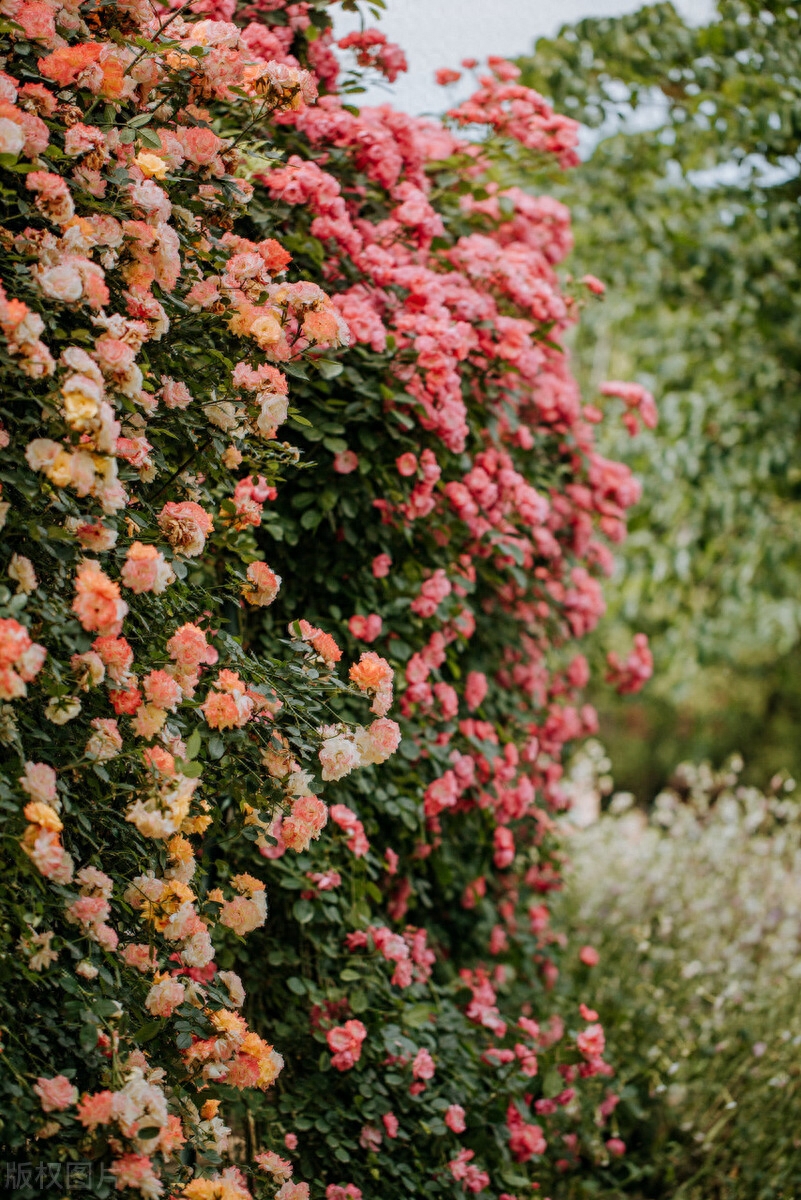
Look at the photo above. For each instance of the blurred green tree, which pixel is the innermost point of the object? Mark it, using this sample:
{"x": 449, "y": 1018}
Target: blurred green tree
{"x": 688, "y": 206}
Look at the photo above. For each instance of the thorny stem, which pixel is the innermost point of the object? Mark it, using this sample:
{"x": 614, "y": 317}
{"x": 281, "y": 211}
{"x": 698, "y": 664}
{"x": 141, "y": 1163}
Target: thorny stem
{"x": 197, "y": 450}
{"x": 159, "y": 32}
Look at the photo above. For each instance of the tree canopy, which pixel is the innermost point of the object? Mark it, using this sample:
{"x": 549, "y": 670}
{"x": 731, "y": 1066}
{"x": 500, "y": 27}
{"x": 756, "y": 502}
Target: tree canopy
{"x": 688, "y": 209}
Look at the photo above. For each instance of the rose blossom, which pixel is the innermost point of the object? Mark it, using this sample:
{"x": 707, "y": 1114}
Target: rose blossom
{"x": 305, "y": 823}
{"x": 406, "y": 463}
{"x": 367, "y": 629}
{"x": 186, "y": 526}
{"x": 12, "y": 137}
{"x": 146, "y": 570}
{"x": 106, "y": 741}
{"x": 345, "y": 1042}
{"x": 475, "y": 689}
{"x": 338, "y": 756}
{"x": 165, "y": 996}
{"x": 370, "y": 1138}
{"x": 97, "y": 602}
{"x": 39, "y": 781}
{"x": 273, "y": 1164}
{"x": 345, "y": 462}
{"x": 454, "y": 1118}
{"x": 62, "y": 283}
{"x": 423, "y": 1065}
{"x": 55, "y": 1094}
{"x": 61, "y": 709}
{"x": 379, "y": 741}
{"x": 293, "y": 1191}
{"x": 591, "y": 1041}
{"x": 262, "y": 586}
{"x": 21, "y": 571}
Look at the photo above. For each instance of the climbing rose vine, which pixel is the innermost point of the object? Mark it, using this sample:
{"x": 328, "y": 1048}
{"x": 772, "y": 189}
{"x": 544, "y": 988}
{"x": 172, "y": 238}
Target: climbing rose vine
{"x": 282, "y": 720}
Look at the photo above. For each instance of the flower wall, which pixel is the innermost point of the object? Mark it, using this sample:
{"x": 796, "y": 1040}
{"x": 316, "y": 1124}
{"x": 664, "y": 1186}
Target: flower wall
{"x": 303, "y": 521}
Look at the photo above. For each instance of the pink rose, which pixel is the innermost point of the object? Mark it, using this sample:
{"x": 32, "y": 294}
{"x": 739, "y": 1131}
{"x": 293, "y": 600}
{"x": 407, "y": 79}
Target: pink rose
{"x": 406, "y": 463}
{"x": 345, "y": 462}
{"x": 346, "y": 1043}
{"x": 186, "y": 526}
{"x": 165, "y": 996}
{"x": 454, "y": 1118}
{"x": 55, "y": 1094}
{"x": 423, "y": 1065}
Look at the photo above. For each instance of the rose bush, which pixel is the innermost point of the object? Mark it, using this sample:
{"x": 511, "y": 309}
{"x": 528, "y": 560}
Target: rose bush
{"x": 204, "y": 627}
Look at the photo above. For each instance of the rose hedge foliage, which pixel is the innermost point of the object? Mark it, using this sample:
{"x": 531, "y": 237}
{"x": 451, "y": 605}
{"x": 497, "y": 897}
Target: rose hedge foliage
{"x": 208, "y": 251}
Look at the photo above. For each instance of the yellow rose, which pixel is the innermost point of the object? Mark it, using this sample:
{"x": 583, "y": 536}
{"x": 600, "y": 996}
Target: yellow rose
{"x": 151, "y": 165}
{"x": 266, "y": 330}
{"x": 39, "y": 813}
{"x": 59, "y": 472}
{"x": 79, "y": 409}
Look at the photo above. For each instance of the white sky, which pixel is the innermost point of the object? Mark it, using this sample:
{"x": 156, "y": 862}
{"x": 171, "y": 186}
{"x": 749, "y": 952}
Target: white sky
{"x": 440, "y": 33}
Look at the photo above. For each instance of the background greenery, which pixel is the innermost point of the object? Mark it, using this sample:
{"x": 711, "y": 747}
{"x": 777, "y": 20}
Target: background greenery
{"x": 695, "y": 914}
{"x": 687, "y": 207}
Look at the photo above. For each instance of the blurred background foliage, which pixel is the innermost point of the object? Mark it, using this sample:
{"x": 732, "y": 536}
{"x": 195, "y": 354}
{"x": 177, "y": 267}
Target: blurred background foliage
{"x": 696, "y": 913}
{"x": 688, "y": 206}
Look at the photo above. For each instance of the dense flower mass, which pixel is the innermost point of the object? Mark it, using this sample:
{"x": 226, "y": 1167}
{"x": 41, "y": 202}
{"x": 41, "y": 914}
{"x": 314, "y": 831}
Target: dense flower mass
{"x": 236, "y": 858}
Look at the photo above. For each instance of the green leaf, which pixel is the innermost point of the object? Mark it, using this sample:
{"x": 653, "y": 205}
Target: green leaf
{"x": 193, "y": 745}
{"x": 151, "y": 139}
{"x": 303, "y": 911}
{"x": 10, "y": 163}
{"x": 88, "y": 1038}
{"x": 146, "y": 1032}
{"x": 417, "y": 1015}
{"x": 192, "y": 770}
{"x": 328, "y": 370}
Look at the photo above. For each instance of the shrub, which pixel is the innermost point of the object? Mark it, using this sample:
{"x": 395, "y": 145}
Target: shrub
{"x": 695, "y": 913}
{"x": 189, "y": 236}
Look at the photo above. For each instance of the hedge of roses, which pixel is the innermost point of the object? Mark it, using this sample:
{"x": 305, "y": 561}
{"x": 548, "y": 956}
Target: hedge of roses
{"x": 283, "y": 720}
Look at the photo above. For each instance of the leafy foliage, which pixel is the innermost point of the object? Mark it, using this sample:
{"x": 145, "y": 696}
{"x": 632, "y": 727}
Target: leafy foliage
{"x": 688, "y": 207}
{"x": 699, "y": 964}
